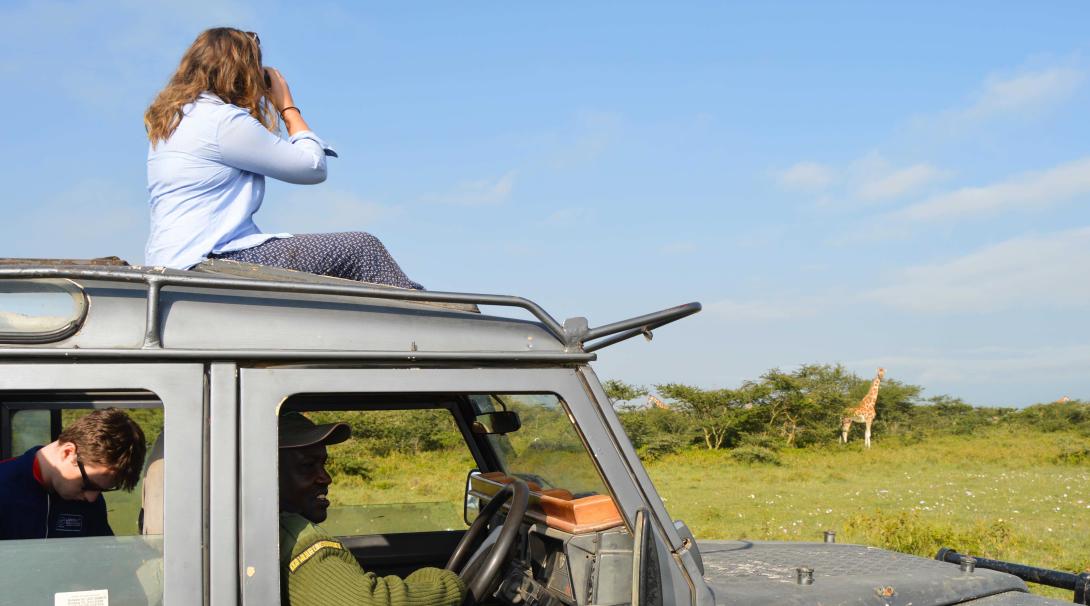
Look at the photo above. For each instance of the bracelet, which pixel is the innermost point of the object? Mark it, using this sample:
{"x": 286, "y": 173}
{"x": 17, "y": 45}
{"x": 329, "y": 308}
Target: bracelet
{"x": 290, "y": 107}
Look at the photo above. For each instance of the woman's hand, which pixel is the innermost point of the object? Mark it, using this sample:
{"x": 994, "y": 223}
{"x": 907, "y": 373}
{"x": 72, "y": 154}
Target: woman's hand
{"x": 279, "y": 93}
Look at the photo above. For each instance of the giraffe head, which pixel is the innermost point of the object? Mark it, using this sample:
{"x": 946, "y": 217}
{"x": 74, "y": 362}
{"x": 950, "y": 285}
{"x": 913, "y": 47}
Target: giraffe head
{"x": 881, "y": 373}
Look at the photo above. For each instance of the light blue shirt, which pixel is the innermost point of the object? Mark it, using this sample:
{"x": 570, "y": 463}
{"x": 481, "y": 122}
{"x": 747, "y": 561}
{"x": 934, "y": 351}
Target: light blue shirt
{"x": 208, "y": 179}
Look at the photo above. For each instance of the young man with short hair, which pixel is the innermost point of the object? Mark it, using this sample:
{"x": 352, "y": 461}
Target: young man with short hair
{"x": 55, "y": 491}
{"x": 315, "y": 568}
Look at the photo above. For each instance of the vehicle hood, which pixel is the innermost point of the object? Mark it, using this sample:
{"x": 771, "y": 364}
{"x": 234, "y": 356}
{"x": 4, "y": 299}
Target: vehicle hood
{"x": 754, "y": 573}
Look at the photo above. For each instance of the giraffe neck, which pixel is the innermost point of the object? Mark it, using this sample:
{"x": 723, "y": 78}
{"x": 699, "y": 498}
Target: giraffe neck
{"x": 867, "y": 405}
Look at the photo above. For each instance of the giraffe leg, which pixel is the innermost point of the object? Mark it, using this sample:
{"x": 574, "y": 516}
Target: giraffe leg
{"x": 844, "y": 428}
{"x": 867, "y": 435}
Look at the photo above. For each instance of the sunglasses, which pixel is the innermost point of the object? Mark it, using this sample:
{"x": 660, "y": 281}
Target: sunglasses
{"x": 256, "y": 38}
{"x": 88, "y": 485}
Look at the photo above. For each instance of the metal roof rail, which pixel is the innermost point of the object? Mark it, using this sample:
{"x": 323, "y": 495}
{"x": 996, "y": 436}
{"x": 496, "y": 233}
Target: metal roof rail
{"x": 574, "y": 333}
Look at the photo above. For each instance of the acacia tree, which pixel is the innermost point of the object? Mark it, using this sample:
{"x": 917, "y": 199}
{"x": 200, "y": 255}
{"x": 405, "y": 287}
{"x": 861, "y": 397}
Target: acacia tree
{"x": 804, "y": 405}
{"x": 719, "y": 413}
{"x": 619, "y": 391}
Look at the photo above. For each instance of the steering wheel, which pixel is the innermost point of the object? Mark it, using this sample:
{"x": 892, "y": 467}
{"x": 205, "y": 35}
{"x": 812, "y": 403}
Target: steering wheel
{"x": 487, "y": 575}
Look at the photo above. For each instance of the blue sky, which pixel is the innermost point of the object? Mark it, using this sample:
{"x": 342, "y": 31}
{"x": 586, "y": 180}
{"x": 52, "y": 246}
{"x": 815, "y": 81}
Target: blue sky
{"x": 904, "y": 186}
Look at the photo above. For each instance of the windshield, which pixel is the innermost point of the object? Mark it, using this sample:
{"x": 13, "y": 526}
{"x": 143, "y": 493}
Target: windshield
{"x": 546, "y": 450}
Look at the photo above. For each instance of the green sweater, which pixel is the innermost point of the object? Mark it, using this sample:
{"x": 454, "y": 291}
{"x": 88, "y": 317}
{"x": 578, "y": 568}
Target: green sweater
{"x": 316, "y": 569}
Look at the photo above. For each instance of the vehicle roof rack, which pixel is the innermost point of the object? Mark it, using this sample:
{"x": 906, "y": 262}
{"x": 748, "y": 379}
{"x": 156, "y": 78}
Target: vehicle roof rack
{"x": 574, "y": 333}
{"x": 106, "y": 261}
{"x": 228, "y": 267}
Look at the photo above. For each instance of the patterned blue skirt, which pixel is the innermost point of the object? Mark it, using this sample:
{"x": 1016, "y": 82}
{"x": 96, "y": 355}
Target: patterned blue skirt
{"x": 355, "y": 255}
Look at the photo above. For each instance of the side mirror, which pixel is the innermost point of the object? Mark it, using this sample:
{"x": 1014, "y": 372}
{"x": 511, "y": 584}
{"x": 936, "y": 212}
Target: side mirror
{"x": 472, "y": 506}
{"x": 498, "y": 422}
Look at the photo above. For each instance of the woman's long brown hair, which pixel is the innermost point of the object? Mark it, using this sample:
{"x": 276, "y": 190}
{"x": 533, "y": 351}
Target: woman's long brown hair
{"x": 223, "y": 61}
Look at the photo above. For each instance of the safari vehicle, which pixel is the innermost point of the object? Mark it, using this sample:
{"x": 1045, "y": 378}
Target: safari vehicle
{"x": 214, "y": 355}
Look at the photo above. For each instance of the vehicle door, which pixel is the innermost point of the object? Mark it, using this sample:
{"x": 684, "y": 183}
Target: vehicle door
{"x": 322, "y": 392}
{"x": 140, "y": 564}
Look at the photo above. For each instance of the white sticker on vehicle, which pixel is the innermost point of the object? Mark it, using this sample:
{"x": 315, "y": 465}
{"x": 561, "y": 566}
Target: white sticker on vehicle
{"x": 94, "y": 597}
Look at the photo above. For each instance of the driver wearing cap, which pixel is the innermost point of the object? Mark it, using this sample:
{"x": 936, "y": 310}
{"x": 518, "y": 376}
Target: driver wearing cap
{"x": 315, "y": 568}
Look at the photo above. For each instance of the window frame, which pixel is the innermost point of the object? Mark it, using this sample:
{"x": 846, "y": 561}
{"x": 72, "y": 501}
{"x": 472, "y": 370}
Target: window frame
{"x": 180, "y": 388}
{"x": 263, "y": 391}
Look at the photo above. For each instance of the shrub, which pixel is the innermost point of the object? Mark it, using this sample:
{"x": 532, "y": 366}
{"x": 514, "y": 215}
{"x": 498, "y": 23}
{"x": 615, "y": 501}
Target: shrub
{"x": 654, "y": 426}
{"x": 349, "y": 467}
{"x": 761, "y": 440}
{"x": 1073, "y": 455}
{"x": 751, "y": 454}
{"x": 907, "y": 532}
{"x": 1055, "y": 416}
{"x": 406, "y": 431}
{"x": 660, "y": 446}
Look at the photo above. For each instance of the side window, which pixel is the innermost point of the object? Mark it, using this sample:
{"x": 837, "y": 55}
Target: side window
{"x": 28, "y": 429}
{"x": 101, "y": 547}
{"x": 402, "y": 471}
{"x": 546, "y": 450}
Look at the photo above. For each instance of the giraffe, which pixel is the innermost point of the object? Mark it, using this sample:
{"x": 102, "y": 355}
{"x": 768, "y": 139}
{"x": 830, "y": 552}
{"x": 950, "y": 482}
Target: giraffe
{"x": 864, "y": 413}
{"x": 1063, "y": 400}
{"x": 657, "y": 403}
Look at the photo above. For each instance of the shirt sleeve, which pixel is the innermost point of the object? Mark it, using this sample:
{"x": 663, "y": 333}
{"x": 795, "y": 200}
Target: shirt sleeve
{"x": 247, "y": 145}
{"x": 326, "y": 574}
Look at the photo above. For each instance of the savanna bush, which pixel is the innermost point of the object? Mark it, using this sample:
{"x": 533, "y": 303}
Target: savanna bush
{"x": 1073, "y": 455}
{"x": 908, "y": 532}
{"x": 761, "y": 440}
{"x": 752, "y": 454}
{"x": 1055, "y": 416}
{"x": 659, "y": 446}
{"x": 657, "y": 429}
{"x": 381, "y": 432}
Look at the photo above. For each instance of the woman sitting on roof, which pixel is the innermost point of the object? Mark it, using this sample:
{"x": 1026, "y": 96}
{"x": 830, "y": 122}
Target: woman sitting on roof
{"x": 213, "y": 133}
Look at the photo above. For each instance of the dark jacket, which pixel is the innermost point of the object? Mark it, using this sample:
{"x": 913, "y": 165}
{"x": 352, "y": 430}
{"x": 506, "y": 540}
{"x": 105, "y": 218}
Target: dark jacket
{"x": 28, "y": 511}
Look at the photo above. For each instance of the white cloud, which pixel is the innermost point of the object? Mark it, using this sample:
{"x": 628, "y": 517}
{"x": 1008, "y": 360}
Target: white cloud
{"x": 868, "y": 179}
{"x": 1064, "y": 365}
{"x": 806, "y": 176}
{"x": 898, "y": 182}
{"x": 1028, "y": 93}
{"x": 1025, "y": 192}
{"x": 1022, "y": 272}
{"x": 1023, "y": 92}
{"x": 481, "y": 192}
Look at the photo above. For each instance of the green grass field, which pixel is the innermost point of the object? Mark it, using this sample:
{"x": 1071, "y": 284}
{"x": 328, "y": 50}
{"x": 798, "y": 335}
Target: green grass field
{"x": 1023, "y": 497}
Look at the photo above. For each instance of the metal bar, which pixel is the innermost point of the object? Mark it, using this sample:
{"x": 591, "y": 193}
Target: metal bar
{"x": 298, "y": 354}
{"x": 646, "y": 321}
{"x": 1033, "y": 574}
{"x": 151, "y": 334}
{"x": 624, "y": 336}
{"x": 202, "y": 281}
